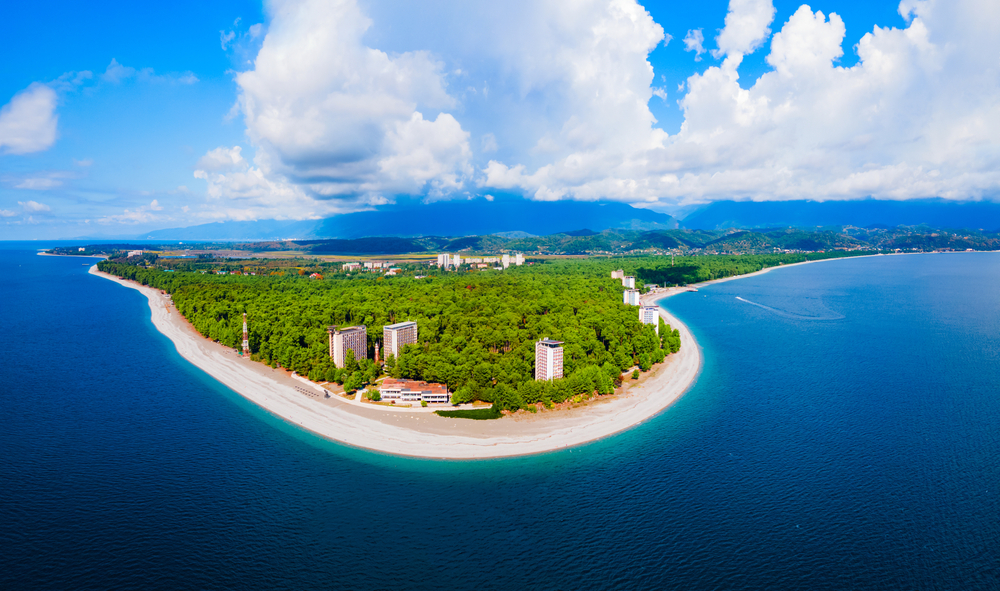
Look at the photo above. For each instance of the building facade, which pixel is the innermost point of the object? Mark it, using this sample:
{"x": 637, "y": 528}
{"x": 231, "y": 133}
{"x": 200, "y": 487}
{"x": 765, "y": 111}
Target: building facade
{"x": 631, "y": 297}
{"x": 519, "y": 259}
{"x": 619, "y": 274}
{"x": 396, "y": 336}
{"x": 393, "y": 390}
{"x": 548, "y": 360}
{"x": 650, "y": 315}
{"x": 351, "y": 338}
{"x": 628, "y": 282}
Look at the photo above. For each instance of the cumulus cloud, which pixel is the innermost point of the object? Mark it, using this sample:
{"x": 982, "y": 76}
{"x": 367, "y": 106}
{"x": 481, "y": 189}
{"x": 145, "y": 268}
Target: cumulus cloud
{"x": 694, "y": 41}
{"x": 345, "y": 110}
{"x": 221, "y": 159}
{"x": 343, "y": 120}
{"x": 747, "y": 27}
{"x": 28, "y": 121}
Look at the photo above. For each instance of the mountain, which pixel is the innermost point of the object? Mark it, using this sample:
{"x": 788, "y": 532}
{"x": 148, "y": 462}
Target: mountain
{"x": 443, "y": 218}
{"x": 868, "y": 213}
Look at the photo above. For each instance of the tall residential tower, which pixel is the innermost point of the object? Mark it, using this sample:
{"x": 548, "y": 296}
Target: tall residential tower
{"x": 396, "y": 336}
{"x": 351, "y": 338}
{"x": 548, "y": 360}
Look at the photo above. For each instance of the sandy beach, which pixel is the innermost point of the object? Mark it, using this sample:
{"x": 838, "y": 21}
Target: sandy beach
{"x": 422, "y": 434}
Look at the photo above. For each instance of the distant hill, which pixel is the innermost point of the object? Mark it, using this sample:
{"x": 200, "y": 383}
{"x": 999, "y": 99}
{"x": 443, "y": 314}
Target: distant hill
{"x": 868, "y": 213}
{"x": 515, "y": 217}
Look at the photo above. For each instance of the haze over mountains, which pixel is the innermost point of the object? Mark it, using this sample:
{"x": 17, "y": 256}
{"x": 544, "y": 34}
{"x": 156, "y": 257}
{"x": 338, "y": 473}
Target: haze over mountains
{"x": 516, "y": 218}
{"x": 443, "y": 218}
{"x": 868, "y": 213}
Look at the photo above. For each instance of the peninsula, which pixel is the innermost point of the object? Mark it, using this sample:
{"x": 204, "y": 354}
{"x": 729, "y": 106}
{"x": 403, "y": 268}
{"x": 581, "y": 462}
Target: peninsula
{"x": 625, "y": 359}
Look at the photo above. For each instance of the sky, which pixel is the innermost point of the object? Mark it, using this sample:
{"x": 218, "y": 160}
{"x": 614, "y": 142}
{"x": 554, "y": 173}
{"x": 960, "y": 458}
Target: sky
{"x": 119, "y": 118}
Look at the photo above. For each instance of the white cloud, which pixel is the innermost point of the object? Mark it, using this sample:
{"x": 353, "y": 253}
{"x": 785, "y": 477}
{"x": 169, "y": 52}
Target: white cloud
{"x": 221, "y": 159}
{"x": 116, "y": 73}
{"x": 28, "y": 121}
{"x": 6, "y": 213}
{"x": 344, "y": 110}
{"x": 34, "y": 206}
{"x": 694, "y": 41}
{"x": 140, "y": 215}
{"x": 747, "y": 27}
{"x": 343, "y": 120}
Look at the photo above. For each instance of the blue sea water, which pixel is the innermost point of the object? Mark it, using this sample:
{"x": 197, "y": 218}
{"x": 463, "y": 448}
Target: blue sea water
{"x": 843, "y": 434}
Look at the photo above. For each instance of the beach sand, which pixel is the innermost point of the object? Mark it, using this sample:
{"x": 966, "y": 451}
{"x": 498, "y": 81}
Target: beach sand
{"x": 423, "y": 434}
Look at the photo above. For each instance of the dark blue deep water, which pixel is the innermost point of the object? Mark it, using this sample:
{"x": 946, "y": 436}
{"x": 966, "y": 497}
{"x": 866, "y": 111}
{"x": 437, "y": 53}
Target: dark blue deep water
{"x": 844, "y": 434}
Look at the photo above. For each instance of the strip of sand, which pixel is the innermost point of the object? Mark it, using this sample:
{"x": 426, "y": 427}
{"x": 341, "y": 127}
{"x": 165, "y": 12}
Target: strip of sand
{"x": 423, "y": 434}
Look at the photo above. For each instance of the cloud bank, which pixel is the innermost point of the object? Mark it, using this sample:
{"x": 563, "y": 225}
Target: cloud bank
{"x": 551, "y": 99}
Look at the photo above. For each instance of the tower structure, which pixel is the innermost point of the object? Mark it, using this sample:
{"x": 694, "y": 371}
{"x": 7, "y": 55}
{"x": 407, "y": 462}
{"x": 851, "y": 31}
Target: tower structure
{"x": 246, "y": 337}
{"x": 548, "y": 360}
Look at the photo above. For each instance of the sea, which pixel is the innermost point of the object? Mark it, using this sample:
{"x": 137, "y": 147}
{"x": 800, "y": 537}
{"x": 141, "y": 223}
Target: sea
{"x": 844, "y": 433}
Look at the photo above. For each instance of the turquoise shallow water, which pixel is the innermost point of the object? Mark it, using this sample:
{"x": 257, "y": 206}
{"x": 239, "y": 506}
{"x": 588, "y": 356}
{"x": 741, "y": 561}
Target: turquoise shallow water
{"x": 843, "y": 434}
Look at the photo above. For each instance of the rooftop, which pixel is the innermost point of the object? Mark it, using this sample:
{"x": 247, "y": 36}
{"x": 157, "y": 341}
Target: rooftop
{"x": 345, "y": 329}
{"x": 399, "y": 325}
{"x": 549, "y": 342}
{"x": 413, "y": 386}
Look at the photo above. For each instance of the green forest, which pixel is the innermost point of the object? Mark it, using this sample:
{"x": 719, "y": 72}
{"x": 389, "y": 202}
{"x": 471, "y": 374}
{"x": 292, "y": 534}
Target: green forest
{"x": 477, "y": 330}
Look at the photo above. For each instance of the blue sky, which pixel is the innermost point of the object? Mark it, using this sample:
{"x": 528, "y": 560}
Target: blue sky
{"x": 125, "y": 118}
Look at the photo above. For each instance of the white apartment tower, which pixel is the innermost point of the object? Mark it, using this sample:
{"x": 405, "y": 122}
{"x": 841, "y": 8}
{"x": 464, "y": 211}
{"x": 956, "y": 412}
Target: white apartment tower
{"x": 519, "y": 259}
{"x": 353, "y": 338}
{"x": 548, "y": 360}
{"x": 631, "y": 297}
{"x": 505, "y": 260}
{"x": 619, "y": 274}
{"x": 396, "y": 336}
{"x": 650, "y": 315}
{"x": 628, "y": 282}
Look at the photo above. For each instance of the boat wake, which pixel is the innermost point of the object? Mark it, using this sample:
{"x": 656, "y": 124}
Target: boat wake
{"x": 831, "y": 316}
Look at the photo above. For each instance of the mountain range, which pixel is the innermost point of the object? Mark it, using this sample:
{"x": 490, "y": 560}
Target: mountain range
{"x": 519, "y": 217}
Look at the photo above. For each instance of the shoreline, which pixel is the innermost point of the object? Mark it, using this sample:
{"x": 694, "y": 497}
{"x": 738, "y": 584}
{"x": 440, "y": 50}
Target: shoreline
{"x": 426, "y": 435}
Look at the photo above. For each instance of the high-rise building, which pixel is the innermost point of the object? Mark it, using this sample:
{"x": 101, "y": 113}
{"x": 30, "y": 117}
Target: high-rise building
{"x": 351, "y": 338}
{"x": 631, "y": 297}
{"x": 628, "y": 282}
{"x": 619, "y": 274}
{"x": 396, "y": 336}
{"x": 519, "y": 259}
{"x": 650, "y": 315}
{"x": 444, "y": 260}
{"x": 505, "y": 260}
{"x": 548, "y": 360}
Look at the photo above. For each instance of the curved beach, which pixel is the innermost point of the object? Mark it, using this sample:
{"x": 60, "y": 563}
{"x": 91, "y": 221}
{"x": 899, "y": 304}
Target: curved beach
{"x": 423, "y": 434}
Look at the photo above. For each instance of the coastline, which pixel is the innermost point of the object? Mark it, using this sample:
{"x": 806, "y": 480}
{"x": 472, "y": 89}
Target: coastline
{"x": 424, "y": 434}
